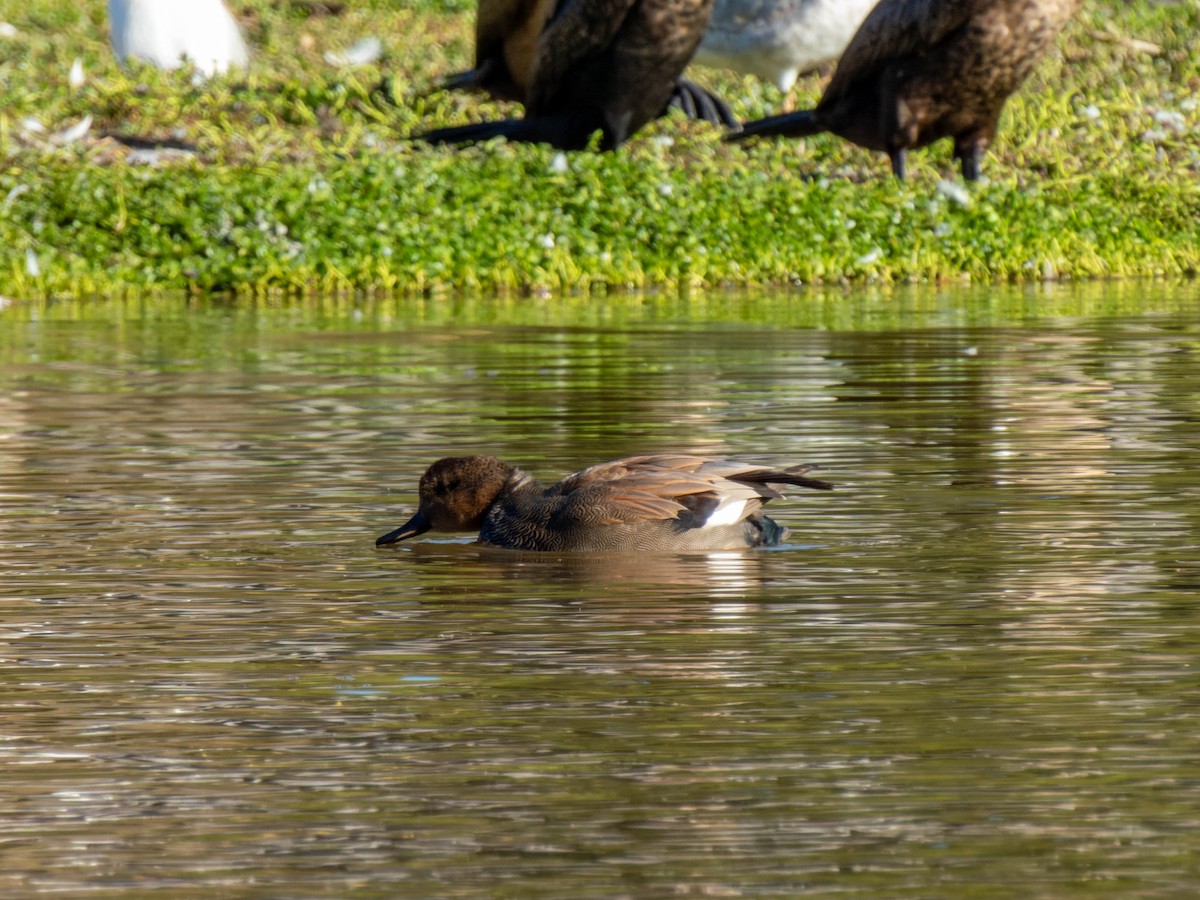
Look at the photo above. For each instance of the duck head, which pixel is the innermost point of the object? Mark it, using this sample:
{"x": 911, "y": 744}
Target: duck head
{"x": 455, "y": 494}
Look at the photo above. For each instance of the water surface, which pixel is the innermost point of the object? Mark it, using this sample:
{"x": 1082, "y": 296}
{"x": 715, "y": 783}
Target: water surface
{"x": 970, "y": 674}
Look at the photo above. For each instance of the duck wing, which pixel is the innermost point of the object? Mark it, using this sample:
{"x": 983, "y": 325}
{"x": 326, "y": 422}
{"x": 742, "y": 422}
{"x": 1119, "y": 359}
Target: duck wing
{"x": 578, "y": 29}
{"x": 694, "y": 490}
{"x": 892, "y": 30}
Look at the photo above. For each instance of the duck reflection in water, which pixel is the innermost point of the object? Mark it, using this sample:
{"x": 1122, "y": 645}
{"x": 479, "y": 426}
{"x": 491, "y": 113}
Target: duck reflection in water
{"x": 665, "y": 504}
{"x": 451, "y": 571}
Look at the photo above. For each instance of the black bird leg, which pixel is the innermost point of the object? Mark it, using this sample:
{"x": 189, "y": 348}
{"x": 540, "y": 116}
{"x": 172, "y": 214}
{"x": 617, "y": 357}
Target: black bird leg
{"x": 970, "y": 159}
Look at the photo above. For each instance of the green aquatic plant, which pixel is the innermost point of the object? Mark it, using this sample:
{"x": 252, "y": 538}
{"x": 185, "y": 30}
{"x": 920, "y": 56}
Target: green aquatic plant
{"x": 298, "y": 176}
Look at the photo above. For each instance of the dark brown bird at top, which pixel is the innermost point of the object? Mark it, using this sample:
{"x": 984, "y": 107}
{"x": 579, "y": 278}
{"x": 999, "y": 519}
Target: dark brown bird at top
{"x": 921, "y": 70}
{"x": 581, "y": 66}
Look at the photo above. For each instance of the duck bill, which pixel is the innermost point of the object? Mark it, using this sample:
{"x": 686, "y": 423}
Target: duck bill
{"x": 418, "y": 524}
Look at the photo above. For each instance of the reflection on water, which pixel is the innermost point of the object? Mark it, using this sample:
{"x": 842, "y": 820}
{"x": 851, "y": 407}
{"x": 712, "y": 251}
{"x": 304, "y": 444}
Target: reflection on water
{"x": 971, "y": 673}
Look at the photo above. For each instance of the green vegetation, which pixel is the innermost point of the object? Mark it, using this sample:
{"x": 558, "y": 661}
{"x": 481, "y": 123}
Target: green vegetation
{"x": 305, "y": 180}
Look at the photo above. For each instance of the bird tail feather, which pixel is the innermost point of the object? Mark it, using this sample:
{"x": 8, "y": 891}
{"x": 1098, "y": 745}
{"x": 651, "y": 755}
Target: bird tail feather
{"x": 461, "y": 81}
{"x": 794, "y": 475}
{"x": 795, "y": 124}
{"x": 554, "y": 131}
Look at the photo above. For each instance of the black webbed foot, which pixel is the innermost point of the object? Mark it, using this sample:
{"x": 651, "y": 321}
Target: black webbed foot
{"x": 698, "y": 103}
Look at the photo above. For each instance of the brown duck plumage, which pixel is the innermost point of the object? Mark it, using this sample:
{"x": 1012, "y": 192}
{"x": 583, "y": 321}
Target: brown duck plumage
{"x": 639, "y": 503}
{"x": 921, "y": 70}
{"x": 506, "y": 36}
{"x": 581, "y": 66}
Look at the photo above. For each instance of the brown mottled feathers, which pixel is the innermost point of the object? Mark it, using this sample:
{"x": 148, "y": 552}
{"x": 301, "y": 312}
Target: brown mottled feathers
{"x": 661, "y": 487}
{"x": 578, "y": 30}
{"x": 893, "y": 30}
{"x": 507, "y": 31}
{"x": 582, "y": 66}
{"x": 918, "y": 71}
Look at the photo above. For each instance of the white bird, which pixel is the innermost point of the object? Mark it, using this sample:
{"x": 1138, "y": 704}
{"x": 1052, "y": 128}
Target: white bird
{"x": 166, "y": 32}
{"x": 779, "y": 40}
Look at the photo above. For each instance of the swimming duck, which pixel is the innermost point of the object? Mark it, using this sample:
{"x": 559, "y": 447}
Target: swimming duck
{"x": 917, "y": 71}
{"x": 581, "y": 66}
{"x": 640, "y": 503}
{"x": 166, "y": 32}
{"x": 779, "y": 40}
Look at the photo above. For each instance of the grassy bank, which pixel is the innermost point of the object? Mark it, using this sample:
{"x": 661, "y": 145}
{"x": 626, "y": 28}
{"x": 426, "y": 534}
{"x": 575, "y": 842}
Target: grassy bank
{"x": 303, "y": 179}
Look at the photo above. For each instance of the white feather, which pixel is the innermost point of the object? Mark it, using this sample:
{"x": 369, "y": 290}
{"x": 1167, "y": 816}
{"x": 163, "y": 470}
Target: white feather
{"x": 729, "y": 511}
{"x": 166, "y": 32}
{"x": 73, "y": 133}
{"x": 362, "y": 53}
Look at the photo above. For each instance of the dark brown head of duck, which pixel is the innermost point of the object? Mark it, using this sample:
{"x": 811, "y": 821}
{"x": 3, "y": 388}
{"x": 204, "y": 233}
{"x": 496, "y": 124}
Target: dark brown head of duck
{"x": 455, "y": 494}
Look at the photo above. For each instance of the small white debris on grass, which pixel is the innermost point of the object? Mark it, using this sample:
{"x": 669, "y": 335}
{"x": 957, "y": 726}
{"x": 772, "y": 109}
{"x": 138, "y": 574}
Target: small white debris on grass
{"x": 559, "y": 165}
{"x": 143, "y": 158}
{"x": 76, "y": 78}
{"x": 868, "y": 258}
{"x": 12, "y": 195}
{"x": 361, "y": 53}
{"x": 74, "y": 132}
{"x": 954, "y": 191}
{"x": 547, "y": 241}
{"x": 33, "y": 268}
{"x": 1171, "y": 120}
{"x": 8, "y": 30}
{"x": 1091, "y": 111}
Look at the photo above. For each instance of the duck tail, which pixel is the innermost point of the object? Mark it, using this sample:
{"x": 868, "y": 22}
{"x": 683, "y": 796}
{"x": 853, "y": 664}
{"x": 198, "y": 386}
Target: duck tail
{"x": 795, "y": 475}
{"x": 795, "y": 124}
{"x": 556, "y": 132}
{"x": 471, "y": 79}
{"x": 767, "y": 478}
{"x": 472, "y": 134}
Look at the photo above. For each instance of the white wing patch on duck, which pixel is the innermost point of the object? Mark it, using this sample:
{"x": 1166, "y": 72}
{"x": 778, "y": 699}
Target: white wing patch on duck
{"x": 729, "y": 511}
